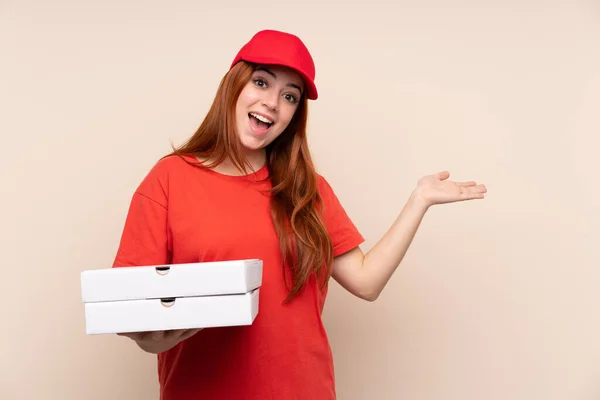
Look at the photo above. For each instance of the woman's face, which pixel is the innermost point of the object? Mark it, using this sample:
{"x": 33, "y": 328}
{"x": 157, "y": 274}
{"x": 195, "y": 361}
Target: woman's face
{"x": 266, "y": 105}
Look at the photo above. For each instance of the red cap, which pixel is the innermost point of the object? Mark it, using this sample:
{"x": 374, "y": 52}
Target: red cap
{"x": 281, "y": 48}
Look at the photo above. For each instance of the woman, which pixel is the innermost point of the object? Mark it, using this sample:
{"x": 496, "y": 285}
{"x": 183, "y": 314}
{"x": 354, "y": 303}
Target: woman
{"x": 244, "y": 186}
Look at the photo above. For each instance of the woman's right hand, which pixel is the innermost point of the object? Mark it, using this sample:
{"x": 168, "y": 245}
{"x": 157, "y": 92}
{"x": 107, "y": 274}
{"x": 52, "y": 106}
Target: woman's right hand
{"x": 159, "y": 341}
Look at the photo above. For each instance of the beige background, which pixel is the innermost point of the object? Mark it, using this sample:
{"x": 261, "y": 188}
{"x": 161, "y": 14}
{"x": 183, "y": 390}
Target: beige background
{"x": 496, "y": 300}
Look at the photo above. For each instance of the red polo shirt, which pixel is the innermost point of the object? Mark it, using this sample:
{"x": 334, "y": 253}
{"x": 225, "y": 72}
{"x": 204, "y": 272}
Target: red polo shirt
{"x": 182, "y": 214}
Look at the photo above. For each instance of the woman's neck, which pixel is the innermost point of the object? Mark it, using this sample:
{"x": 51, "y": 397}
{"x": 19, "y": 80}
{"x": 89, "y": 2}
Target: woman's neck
{"x": 256, "y": 159}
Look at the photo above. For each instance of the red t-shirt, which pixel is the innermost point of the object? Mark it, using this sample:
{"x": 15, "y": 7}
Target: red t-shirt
{"x": 183, "y": 214}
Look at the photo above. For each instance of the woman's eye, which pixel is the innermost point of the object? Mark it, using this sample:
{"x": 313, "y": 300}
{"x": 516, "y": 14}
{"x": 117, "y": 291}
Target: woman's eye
{"x": 260, "y": 82}
{"x": 291, "y": 98}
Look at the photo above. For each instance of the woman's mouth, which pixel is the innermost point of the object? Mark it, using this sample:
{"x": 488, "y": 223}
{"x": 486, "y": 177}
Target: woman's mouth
{"x": 259, "y": 123}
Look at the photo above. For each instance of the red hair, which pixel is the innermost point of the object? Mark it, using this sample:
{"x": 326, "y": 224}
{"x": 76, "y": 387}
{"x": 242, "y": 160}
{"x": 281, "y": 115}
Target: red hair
{"x": 295, "y": 201}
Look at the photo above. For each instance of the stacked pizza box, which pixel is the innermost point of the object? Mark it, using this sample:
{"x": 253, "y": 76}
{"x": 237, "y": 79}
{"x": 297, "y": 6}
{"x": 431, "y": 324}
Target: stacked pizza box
{"x": 172, "y": 296}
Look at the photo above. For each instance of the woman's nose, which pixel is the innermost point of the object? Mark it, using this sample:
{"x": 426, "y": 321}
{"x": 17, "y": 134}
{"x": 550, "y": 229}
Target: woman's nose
{"x": 271, "y": 101}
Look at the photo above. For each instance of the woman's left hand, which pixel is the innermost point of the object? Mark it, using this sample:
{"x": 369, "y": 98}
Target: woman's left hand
{"x": 437, "y": 189}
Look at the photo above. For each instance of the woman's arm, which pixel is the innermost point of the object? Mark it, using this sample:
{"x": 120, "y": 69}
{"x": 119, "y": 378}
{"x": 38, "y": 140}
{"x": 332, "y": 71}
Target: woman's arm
{"x": 367, "y": 275}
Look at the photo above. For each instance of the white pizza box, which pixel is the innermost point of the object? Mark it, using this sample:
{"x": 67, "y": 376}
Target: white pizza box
{"x": 171, "y": 280}
{"x": 171, "y": 313}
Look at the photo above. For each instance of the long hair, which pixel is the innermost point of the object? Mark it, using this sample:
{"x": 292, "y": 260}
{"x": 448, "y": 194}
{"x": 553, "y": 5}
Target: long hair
{"x": 295, "y": 201}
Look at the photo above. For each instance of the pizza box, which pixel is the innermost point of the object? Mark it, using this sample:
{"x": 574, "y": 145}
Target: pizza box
{"x": 171, "y": 280}
{"x": 171, "y": 296}
{"x": 171, "y": 313}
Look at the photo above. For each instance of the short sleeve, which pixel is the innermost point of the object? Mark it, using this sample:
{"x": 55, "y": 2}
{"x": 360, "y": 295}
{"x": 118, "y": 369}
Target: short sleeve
{"x": 145, "y": 239}
{"x": 342, "y": 231}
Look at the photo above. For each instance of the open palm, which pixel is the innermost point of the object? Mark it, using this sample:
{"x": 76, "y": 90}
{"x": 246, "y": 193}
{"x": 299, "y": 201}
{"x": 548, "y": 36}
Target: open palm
{"x": 437, "y": 189}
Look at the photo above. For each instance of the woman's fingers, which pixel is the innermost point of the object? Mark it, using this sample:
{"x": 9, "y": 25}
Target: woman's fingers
{"x": 159, "y": 336}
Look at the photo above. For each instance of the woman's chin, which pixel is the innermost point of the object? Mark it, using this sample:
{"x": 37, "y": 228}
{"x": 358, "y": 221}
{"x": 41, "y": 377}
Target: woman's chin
{"x": 252, "y": 144}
